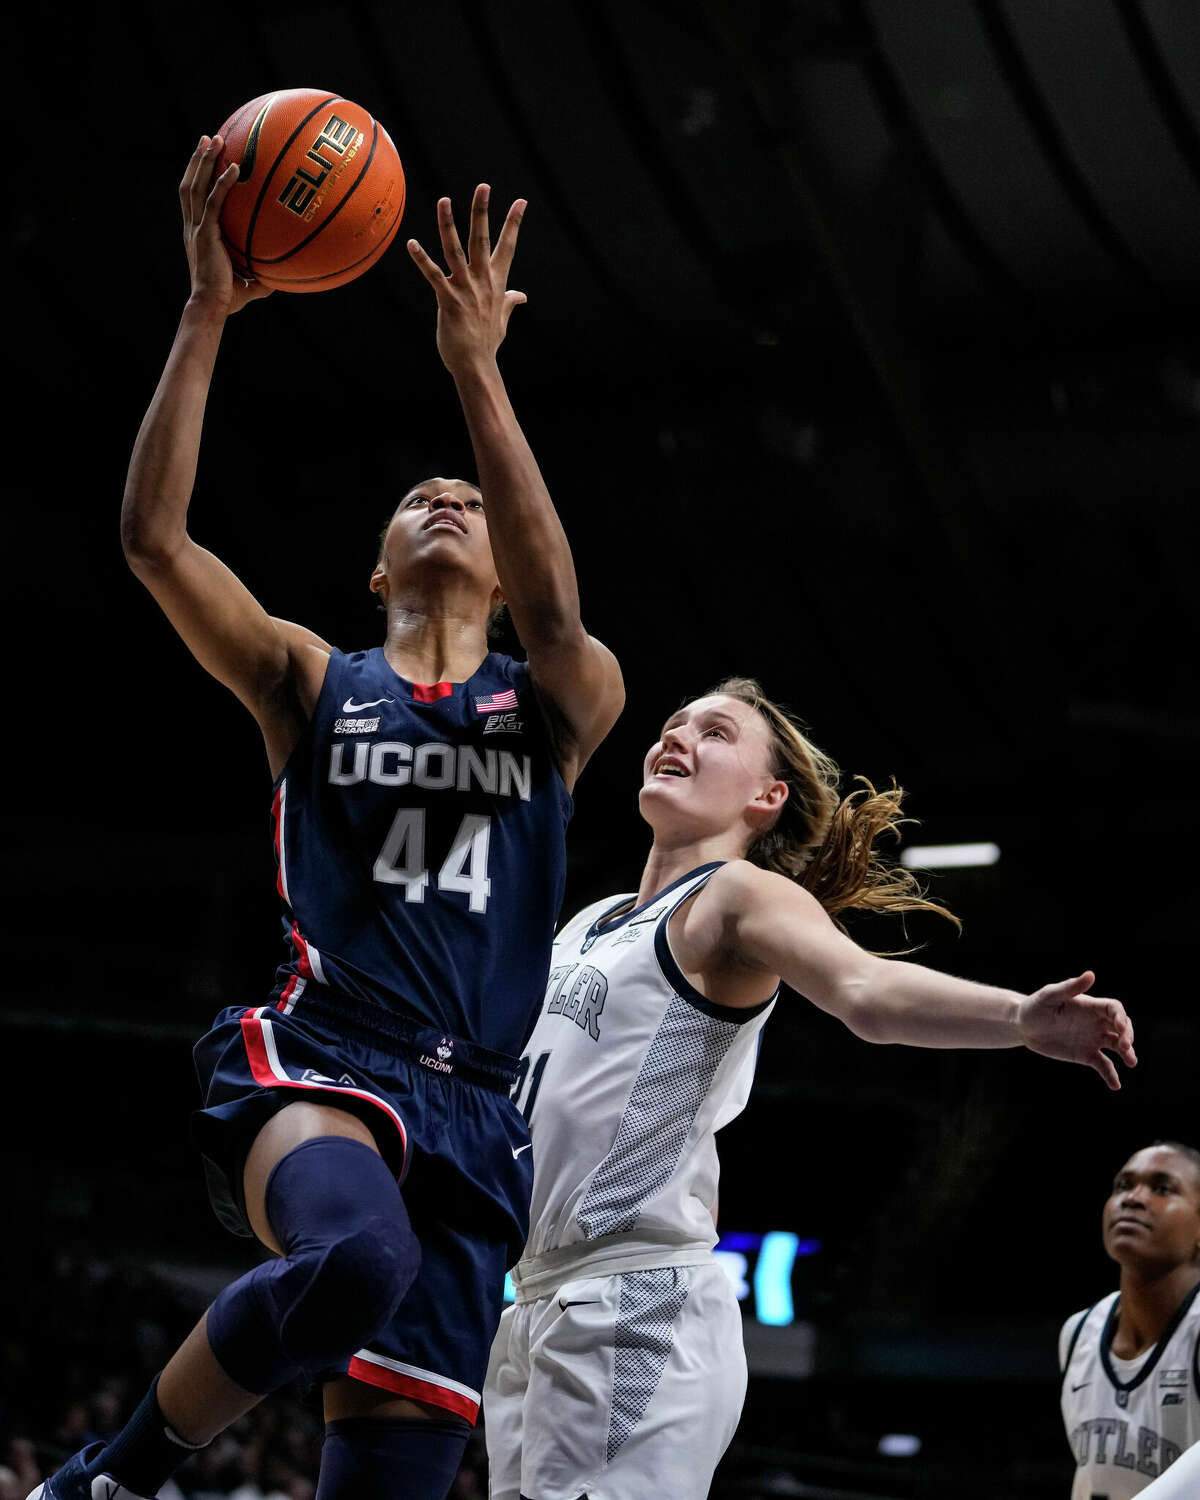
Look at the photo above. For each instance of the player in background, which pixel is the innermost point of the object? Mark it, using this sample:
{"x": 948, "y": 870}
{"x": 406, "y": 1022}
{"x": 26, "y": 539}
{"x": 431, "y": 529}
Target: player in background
{"x": 1131, "y": 1362}
{"x": 619, "y": 1372}
{"x": 360, "y": 1125}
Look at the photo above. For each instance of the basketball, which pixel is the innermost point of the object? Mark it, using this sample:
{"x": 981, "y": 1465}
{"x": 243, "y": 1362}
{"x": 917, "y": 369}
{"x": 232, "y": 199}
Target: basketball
{"x": 319, "y": 194}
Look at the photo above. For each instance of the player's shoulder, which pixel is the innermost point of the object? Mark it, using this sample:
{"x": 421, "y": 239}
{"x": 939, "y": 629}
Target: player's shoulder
{"x": 1072, "y": 1324}
{"x": 1068, "y": 1334}
{"x": 738, "y": 885}
{"x": 308, "y": 658}
{"x": 299, "y": 636}
{"x": 1191, "y": 1312}
{"x": 513, "y": 668}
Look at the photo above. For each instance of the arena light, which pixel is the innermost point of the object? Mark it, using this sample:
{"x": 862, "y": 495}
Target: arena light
{"x": 899, "y": 1445}
{"x": 773, "y": 1279}
{"x": 769, "y": 1287}
{"x": 949, "y": 856}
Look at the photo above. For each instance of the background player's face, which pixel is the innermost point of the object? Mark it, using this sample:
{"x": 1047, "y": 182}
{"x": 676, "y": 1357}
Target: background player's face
{"x": 1152, "y": 1217}
{"x": 439, "y": 525}
{"x": 710, "y": 772}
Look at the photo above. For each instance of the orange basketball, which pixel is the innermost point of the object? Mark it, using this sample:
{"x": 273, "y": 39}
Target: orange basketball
{"x": 320, "y": 190}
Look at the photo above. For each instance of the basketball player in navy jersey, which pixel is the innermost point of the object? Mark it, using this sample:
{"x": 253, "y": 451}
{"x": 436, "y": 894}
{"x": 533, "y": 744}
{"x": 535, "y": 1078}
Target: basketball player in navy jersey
{"x": 360, "y": 1123}
{"x": 619, "y": 1373}
{"x": 1130, "y": 1363}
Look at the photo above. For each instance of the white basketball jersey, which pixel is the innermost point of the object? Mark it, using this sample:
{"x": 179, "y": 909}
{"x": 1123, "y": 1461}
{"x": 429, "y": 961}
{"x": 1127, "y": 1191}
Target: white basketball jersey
{"x": 1128, "y": 1420}
{"x": 630, "y": 1072}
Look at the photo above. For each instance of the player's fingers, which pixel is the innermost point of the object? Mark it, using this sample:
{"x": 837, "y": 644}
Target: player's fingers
{"x": 1104, "y": 1066}
{"x": 220, "y": 189}
{"x": 197, "y": 181}
{"x": 506, "y": 244}
{"x": 189, "y": 172}
{"x": 451, "y": 244}
{"x": 428, "y": 267}
{"x": 1069, "y": 989}
{"x": 511, "y": 300}
{"x": 479, "y": 245}
{"x": 205, "y": 171}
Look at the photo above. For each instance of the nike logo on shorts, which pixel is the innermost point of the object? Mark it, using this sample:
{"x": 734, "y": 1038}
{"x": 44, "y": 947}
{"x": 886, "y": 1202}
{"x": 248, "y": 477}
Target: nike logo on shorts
{"x": 350, "y": 707}
{"x": 583, "y": 1302}
{"x": 516, "y": 1150}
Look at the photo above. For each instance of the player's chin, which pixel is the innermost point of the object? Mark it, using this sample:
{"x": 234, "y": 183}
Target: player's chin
{"x": 1127, "y": 1240}
{"x": 655, "y": 789}
{"x": 654, "y": 796}
{"x": 655, "y": 781}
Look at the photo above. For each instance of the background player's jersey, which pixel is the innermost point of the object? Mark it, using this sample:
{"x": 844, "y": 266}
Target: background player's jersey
{"x": 419, "y": 837}
{"x": 626, "y": 1076}
{"x": 1128, "y": 1420}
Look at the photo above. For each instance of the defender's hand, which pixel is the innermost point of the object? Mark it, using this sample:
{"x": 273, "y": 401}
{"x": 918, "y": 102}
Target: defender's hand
{"x": 1064, "y": 1022}
{"x": 474, "y": 303}
{"x": 213, "y": 279}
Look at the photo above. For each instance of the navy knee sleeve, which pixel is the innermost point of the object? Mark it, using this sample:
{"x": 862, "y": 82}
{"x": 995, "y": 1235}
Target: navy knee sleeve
{"x": 379, "y": 1458}
{"x": 349, "y": 1257}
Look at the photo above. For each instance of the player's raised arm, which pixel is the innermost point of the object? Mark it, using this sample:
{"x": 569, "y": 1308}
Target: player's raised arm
{"x": 223, "y": 625}
{"x": 577, "y": 677}
{"x": 763, "y": 921}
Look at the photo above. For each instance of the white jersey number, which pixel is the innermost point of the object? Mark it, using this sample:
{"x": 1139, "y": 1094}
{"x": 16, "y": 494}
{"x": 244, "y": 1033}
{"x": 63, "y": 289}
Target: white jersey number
{"x": 401, "y": 861}
{"x": 535, "y": 1082}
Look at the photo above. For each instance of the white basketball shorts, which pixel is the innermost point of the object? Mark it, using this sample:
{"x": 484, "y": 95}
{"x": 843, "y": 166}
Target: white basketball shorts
{"x": 616, "y": 1387}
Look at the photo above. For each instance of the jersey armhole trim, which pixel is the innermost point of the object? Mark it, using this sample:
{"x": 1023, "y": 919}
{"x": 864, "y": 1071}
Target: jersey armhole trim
{"x": 1196, "y": 1364}
{"x": 520, "y": 674}
{"x": 303, "y": 744}
{"x": 733, "y": 1015}
{"x": 1078, "y": 1329}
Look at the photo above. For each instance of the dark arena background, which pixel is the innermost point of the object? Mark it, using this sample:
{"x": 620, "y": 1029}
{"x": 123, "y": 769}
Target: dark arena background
{"x": 861, "y": 356}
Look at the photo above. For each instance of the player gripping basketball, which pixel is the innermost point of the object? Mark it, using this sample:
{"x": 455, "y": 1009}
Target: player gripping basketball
{"x": 360, "y": 1123}
{"x": 619, "y": 1373}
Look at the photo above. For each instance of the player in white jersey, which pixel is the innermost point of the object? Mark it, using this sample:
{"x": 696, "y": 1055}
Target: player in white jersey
{"x": 619, "y": 1372}
{"x": 1131, "y": 1362}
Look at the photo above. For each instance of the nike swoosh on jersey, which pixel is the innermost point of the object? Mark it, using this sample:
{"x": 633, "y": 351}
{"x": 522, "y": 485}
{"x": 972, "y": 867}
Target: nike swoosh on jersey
{"x": 516, "y": 1150}
{"x": 350, "y": 707}
{"x": 1081, "y": 1385}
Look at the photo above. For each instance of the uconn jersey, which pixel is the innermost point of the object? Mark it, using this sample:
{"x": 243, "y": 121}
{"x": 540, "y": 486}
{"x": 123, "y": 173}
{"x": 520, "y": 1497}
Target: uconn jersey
{"x": 1128, "y": 1420}
{"x": 626, "y": 1076}
{"x": 419, "y": 837}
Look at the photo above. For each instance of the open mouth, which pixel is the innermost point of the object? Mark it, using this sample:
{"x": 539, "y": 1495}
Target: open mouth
{"x": 443, "y": 520}
{"x": 665, "y": 766}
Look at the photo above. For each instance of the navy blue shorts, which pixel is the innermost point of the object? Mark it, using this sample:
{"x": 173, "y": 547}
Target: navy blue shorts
{"x": 440, "y": 1112}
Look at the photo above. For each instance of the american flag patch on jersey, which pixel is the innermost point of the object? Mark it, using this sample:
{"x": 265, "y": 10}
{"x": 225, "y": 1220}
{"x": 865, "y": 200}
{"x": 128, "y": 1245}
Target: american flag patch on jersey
{"x": 497, "y": 703}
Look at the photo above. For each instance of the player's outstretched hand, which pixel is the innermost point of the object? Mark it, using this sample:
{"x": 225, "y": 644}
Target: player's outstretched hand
{"x": 1063, "y": 1021}
{"x": 474, "y": 303}
{"x": 213, "y": 281}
